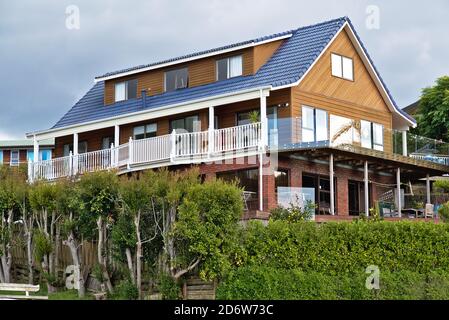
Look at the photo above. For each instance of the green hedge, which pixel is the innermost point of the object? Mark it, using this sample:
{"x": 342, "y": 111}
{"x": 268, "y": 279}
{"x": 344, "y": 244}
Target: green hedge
{"x": 335, "y": 248}
{"x": 262, "y": 283}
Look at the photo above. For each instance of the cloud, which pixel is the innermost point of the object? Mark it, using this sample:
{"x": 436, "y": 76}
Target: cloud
{"x": 46, "y": 68}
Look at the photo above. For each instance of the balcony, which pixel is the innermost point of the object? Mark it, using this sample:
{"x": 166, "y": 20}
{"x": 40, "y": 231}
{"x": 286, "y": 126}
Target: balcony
{"x": 284, "y": 135}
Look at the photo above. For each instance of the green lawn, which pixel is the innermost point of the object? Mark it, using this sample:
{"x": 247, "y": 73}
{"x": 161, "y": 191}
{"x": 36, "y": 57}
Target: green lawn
{"x": 62, "y": 295}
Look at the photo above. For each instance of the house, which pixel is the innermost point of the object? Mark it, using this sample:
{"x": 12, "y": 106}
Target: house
{"x": 412, "y": 109}
{"x": 286, "y": 113}
{"x": 20, "y": 152}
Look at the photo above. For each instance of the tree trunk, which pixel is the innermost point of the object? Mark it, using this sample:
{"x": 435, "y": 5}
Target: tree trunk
{"x": 45, "y": 268}
{"x": 138, "y": 255}
{"x": 75, "y": 253}
{"x": 101, "y": 255}
{"x": 129, "y": 259}
{"x": 30, "y": 259}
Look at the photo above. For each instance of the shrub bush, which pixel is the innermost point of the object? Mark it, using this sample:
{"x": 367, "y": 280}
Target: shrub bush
{"x": 346, "y": 247}
{"x": 441, "y": 185}
{"x": 169, "y": 289}
{"x": 266, "y": 283}
{"x": 125, "y": 290}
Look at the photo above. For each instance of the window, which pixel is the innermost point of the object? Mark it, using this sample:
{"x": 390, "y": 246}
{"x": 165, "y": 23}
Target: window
{"x": 14, "y": 158}
{"x": 372, "y": 135}
{"x": 314, "y": 125}
{"x": 342, "y": 67}
{"x": 248, "y": 179}
{"x": 176, "y": 79}
{"x": 244, "y": 117}
{"x": 187, "y": 124}
{"x": 44, "y": 155}
{"x": 321, "y": 185}
{"x": 229, "y": 68}
{"x": 126, "y": 90}
{"x": 82, "y": 148}
{"x": 106, "y": 142}
{"x": 1, "y": 156}
{"x": 281, "y": 179}
{"x": 145, "y": 131}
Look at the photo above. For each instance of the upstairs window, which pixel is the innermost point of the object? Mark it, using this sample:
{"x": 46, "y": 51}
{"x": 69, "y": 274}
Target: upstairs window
{"x": 176, "y": 79}
{"x": 126, "y": 90}
{"x": 314, "y": 125}
{"x": 342, "y": 67}
{"x": 67, "y": 148}
{"x": 372, "y": 135}
{"x": 146, "y": 131}
{"x": 229, "y": 67}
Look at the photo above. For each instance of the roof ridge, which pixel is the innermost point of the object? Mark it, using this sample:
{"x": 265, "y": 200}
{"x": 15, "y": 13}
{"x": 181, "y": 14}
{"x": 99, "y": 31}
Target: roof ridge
{"x": 224, "y": 47}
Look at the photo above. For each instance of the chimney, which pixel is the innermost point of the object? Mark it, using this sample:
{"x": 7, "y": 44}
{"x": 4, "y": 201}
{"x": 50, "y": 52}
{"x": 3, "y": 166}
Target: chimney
{"x": 144, "y": 98}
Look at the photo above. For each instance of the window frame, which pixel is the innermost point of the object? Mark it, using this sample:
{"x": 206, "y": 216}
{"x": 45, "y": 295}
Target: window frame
{"x": 145, "y": 132}
{"x": 198, "y": 118}
{"x": 126, "y": 82}
{"x": 228, "y": 67}
{"x": 176, "y": 88}
{"x": 314, "y": 123}
{"x": 11, "y": 163}
{"x": 342, "y": 68}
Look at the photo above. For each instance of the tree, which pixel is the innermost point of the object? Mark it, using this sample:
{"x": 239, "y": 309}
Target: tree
{"x": 10, "y": 200}
{"x": 134, "y": 201}
{"x": 207, "y": 225}
{"x": 433, "y": 110}
{"x": 42, "y": 198}
{"x": 98, "y": 194}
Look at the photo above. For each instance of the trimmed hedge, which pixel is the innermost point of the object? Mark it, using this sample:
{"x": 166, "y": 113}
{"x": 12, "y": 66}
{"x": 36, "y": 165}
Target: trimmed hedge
{"x": 335, "y": 248}
{"x": 267, "y": 283}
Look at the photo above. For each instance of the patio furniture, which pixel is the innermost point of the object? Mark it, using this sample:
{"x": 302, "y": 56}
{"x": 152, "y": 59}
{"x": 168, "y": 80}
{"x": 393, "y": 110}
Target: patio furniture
{"x": 428, "y": 212}
{"x": 247, "y": 196}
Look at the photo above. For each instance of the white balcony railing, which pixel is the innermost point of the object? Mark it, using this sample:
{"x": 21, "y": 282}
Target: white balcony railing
{"x": 161, "y": 150}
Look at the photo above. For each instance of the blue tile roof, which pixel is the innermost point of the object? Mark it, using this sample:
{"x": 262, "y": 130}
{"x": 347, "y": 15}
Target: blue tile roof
{"x": 286, "y": 66}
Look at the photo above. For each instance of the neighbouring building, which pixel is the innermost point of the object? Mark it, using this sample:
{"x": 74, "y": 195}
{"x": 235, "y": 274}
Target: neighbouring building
{"x": 19, "y": 152}
{"x": 302, "y": 114}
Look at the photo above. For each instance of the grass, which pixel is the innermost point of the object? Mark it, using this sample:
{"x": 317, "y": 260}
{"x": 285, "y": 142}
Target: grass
{"x": 60, "y": 295}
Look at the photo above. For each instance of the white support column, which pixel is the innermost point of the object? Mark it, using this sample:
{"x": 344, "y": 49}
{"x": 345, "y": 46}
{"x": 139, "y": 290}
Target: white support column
{"x": 331, "y": 175}
{"x": 366, "y": 189}
{"x": 131, "y": 152}
{"x": 75, "y": 153}
{"x": 261, "y": 181}
{"x": 428, "y": 188}
{"x": 211, "y": 141}
{"x": 35, "y": 149}
{"x": 116, "y": 135}
{"x": 264, "y": 119}
{"x": 404, "y": 143}
{"x": 398, "y": 182}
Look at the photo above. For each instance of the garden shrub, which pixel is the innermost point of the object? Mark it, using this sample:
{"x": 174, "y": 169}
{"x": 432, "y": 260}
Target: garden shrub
{"x": 169, "y": 288}
{"x": 125, "y": 290}
{"x": 267, "y": 283}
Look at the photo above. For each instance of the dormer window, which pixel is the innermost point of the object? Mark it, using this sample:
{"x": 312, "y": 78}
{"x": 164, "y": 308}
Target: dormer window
{"x": 342, "y": 67}
{"x": 176, "y": 79}
{"x": 126, "y": 90}
{"x": 229, "y": 68}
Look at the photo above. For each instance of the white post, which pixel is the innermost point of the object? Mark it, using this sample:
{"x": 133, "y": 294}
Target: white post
{"x": 75, "y": 154}
{"x": 428, "y": 188}
{"x": 331, "y": 175}
{"x": 261, "y": 181}
{"x": 131, "y": 151}
{"x": 70, "y": 163}
{"x": 112, "y": 155}
{"x": 116, "y": 135}
{"x": 404, "y": 143}
{"x": 211, "y": 141}
{"x": 398, "y": 182}
{"x": 366, "y": 180}
{"x": 263, "y": 119}
{"x": 35, "y": 149}
{"x": 173, "y": 146}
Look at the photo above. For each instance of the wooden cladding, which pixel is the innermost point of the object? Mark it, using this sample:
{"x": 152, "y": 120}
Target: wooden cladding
{"x": 201, "y": 71}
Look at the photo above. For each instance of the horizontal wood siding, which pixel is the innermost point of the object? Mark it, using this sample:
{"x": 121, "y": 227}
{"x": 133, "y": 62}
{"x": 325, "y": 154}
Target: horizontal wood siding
{"x": 201, "y": 72}
{"x": 262, "y": 53}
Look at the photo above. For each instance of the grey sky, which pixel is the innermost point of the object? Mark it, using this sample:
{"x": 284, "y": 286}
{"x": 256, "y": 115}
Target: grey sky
{"x": 45, "y": 68}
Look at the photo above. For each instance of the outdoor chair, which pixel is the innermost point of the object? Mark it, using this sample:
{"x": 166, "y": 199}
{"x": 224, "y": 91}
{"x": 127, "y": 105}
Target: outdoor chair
{"x": 428, "y": 212}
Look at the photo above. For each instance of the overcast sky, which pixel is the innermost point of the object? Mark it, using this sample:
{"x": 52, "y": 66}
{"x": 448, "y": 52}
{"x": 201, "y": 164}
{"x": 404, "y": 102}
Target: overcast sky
{"x": 46, "y": 67}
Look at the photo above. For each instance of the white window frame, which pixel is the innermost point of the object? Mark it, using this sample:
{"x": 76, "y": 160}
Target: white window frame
{"x": 373, "y": 128}
{"x": 126, "y": 84}
{"x": 379, "y": 146}
{"x": 11, "y": 163}
{"x": 228, "y": 67}
{"x": 313, "y": 127}
{"x": 342, "y": 67}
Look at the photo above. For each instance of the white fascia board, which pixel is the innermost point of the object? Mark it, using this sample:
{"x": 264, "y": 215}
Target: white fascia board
{"x": 153, "y": 113}
{"x": 206, "y": 55}
{"x": 294, "y": 84}
{"x": 346, "y": 26}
